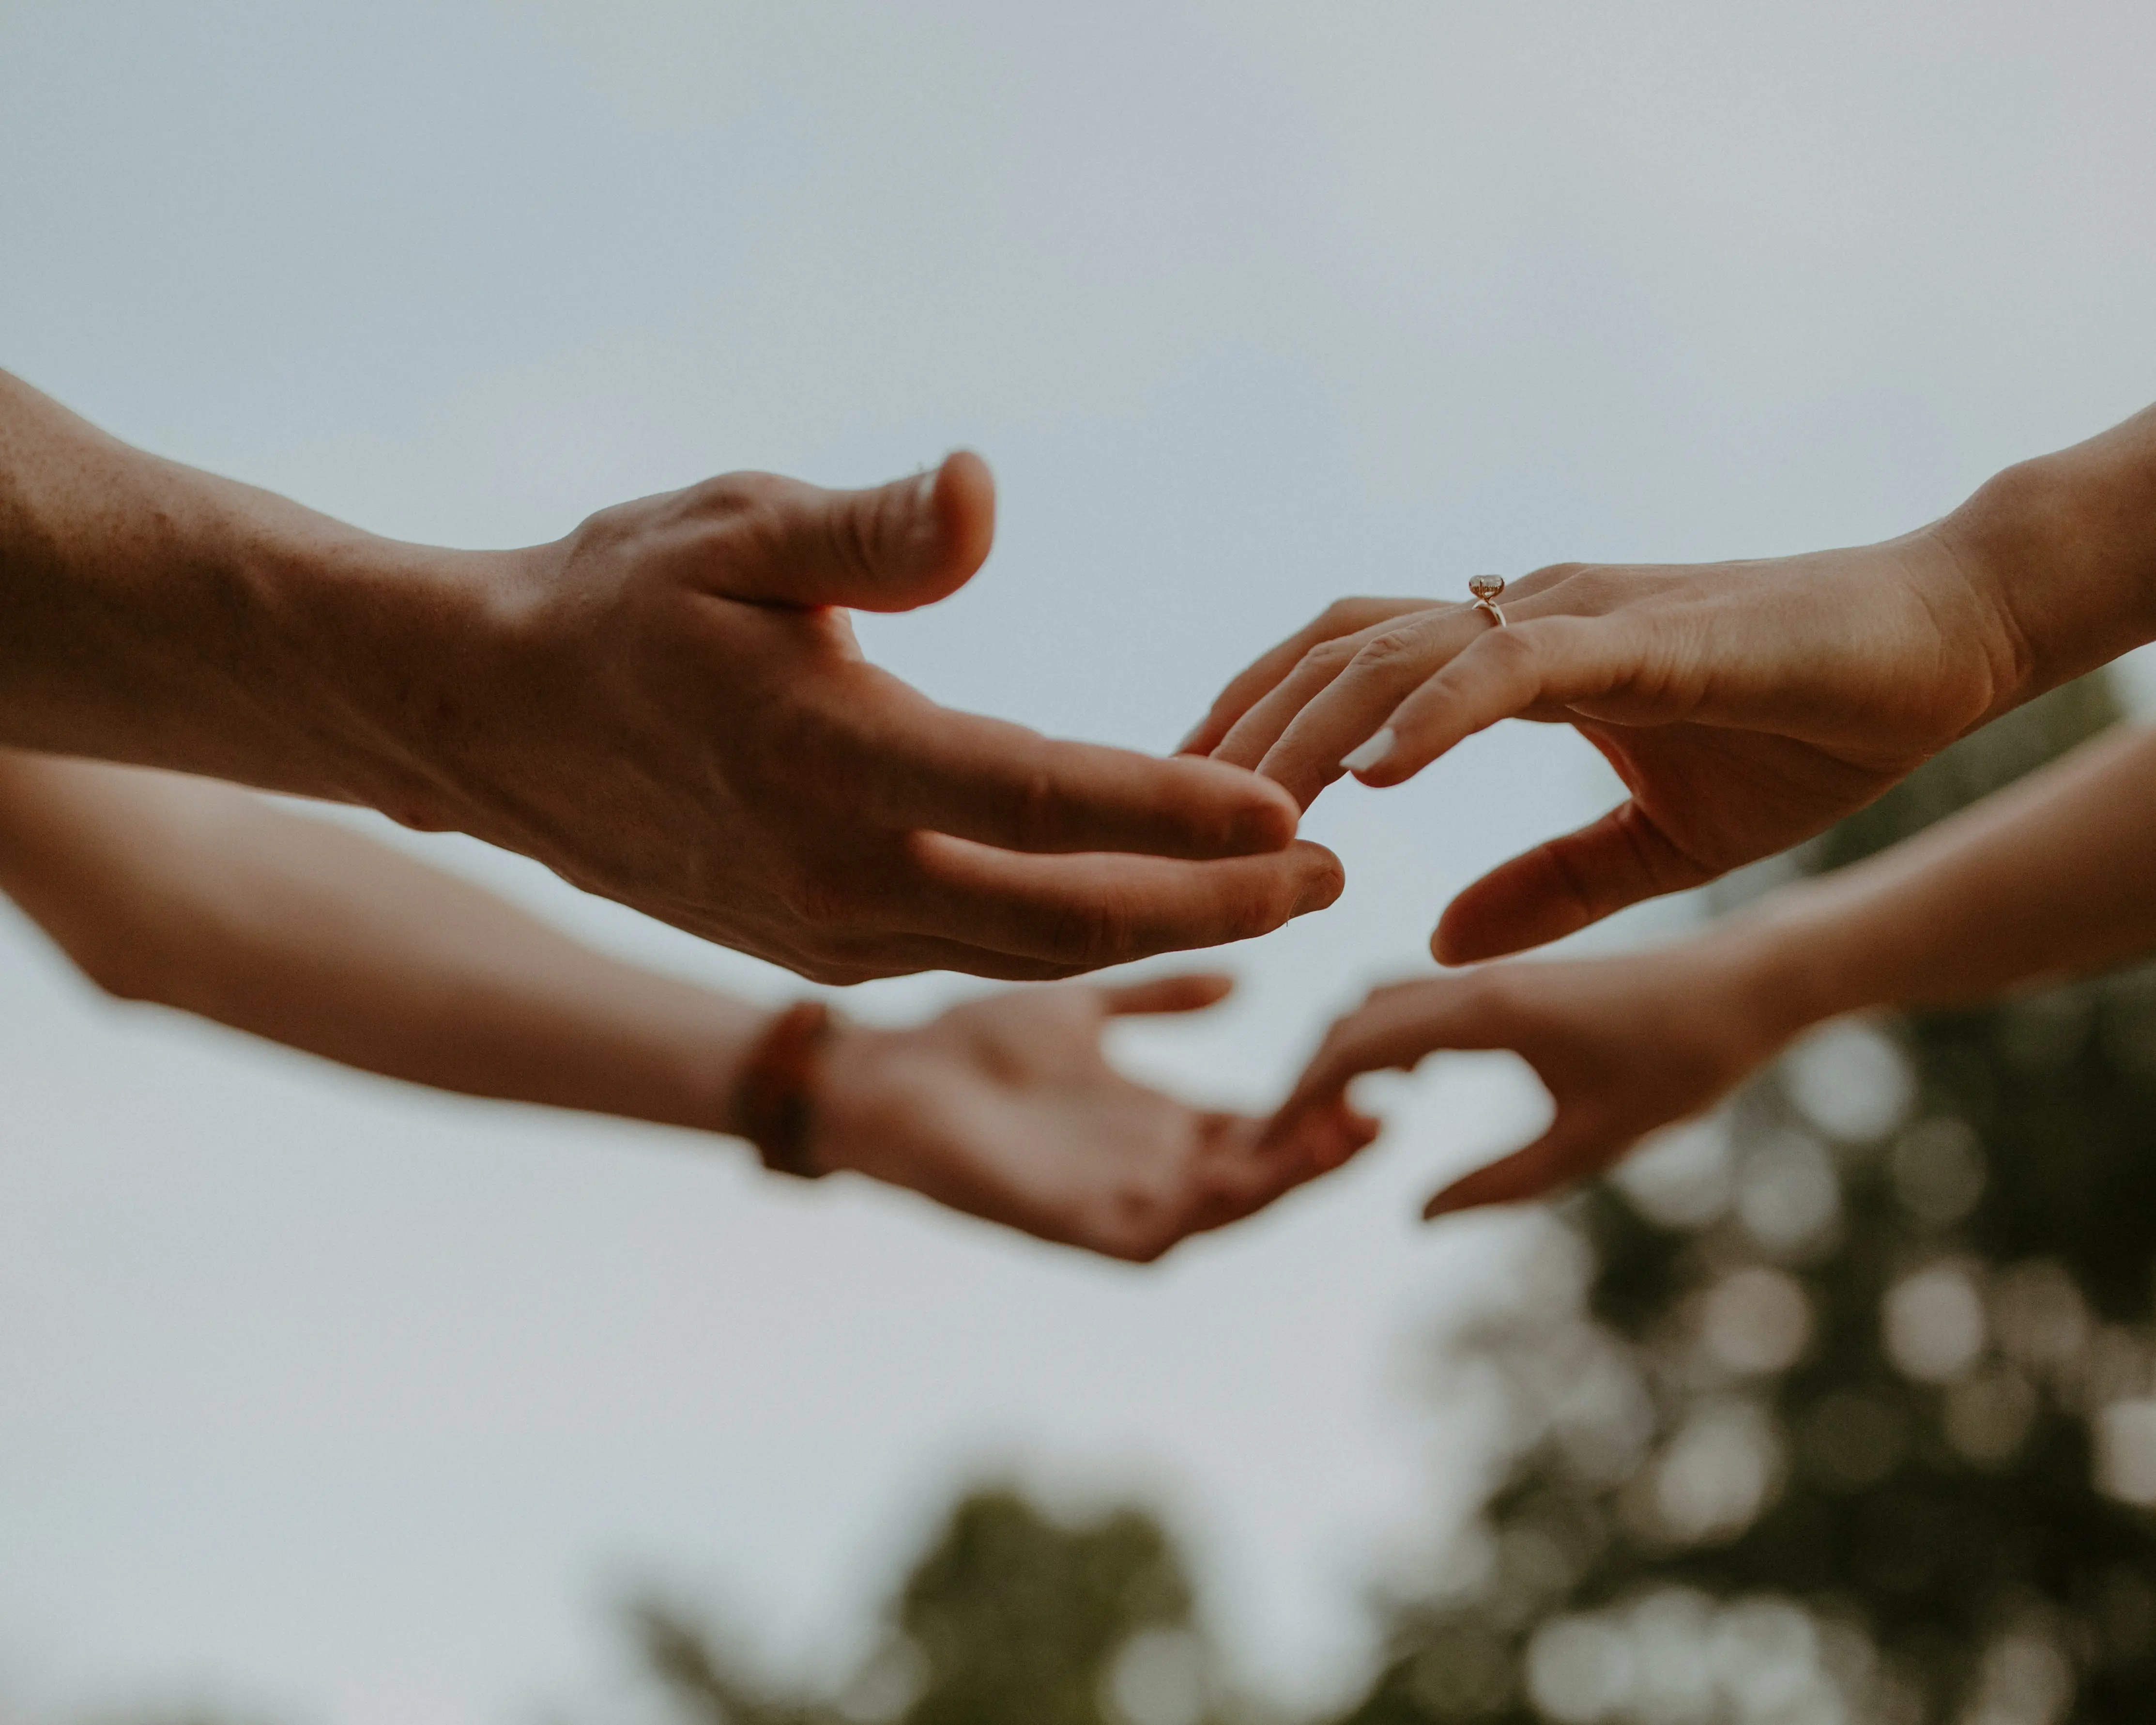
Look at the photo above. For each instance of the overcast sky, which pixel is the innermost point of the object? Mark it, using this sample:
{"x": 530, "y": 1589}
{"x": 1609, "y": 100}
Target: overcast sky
{"x": 359, "y": 1402}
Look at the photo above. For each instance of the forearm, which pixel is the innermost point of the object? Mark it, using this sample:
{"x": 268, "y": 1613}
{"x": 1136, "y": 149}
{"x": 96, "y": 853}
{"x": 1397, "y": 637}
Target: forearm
{"x": 2065, "y": 546}
{"x": 152, "y": 613}
{"x": 199, "y": 897}
{"x": 2053, "y": 878}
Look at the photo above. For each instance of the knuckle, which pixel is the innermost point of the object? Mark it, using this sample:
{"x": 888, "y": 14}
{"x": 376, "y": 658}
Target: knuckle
{"x": 738, "y": 494}
{"x": 850, "y": 541}
{"x": 1510, "y": 650}
{"x": 1591, "y": 589}
{"x": 1328, "y": 658}
{"x": 1094, "y": 932}
{"x": 1037, "y": 809}
{"x": 1395, "y": 649}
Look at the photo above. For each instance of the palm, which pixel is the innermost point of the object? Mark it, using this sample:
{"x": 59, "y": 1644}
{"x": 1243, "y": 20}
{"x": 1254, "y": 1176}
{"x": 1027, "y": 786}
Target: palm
{"x": 1007, "y": 1109}
{"x": 1724, "y": 797}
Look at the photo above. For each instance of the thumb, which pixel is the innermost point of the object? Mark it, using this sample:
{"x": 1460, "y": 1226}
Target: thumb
{"x": 1570, "y": 1151}
{"x": 888, "y": 548}
{"x": 1561, "y": 886}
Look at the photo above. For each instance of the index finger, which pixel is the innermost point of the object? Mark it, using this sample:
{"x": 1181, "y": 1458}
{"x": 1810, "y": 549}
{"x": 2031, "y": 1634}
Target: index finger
{"x": 1159, "y": 995}
{"x": 1396, "y": 1028}
{"x": 1091, "y": 912}
{"x": 899, "y": 761}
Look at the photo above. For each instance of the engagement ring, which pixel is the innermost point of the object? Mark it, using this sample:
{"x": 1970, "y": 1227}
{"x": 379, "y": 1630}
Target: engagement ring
{"x": 1485, "y": 590}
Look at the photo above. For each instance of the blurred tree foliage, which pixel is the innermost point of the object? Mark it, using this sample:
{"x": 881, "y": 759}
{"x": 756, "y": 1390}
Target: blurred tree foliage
{"x": 1838, "y": 1408}
{"x": 1010, "y": 1616}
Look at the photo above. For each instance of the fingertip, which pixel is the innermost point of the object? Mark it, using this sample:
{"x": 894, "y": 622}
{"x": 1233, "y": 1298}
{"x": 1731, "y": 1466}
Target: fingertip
{"x": 1396, "y": 769}
{"x": 1210, "y": 990}
{"x": 1508, "y": 911}
{"x": 1449, "y": 946}
{"x": 1473, "y": 1192}
{"x": 1272, "y": 817}
{"x": 1192, "y": 993}
{"x": 963, "y": 497}
{"x": 1199, "y": 740}
{"x": 1369, "y": 755}
{"x": 1326, "y": 881}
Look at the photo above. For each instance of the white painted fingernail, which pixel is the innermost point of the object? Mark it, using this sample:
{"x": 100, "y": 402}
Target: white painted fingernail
{"x": 1371, "y": 753}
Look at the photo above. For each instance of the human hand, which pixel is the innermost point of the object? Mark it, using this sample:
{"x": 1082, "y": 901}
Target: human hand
{"x": 1624, "y": 1046}
{"x": 669, "y": 708}
{"x": 1006, "y": 1108}
{"x": 1746, "y": 707}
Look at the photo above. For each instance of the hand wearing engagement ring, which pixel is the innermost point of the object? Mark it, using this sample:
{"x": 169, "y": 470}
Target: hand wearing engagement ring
{"x": 1485, "y": 590}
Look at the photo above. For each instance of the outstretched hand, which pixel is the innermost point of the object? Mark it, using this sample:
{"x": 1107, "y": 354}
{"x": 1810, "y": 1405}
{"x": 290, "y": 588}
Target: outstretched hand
{"x": 1624, "y": 1046}
{"x": 1746, "y": 707}
{"x": 676, "y": 715}
{"x": 1006, "y": 1108}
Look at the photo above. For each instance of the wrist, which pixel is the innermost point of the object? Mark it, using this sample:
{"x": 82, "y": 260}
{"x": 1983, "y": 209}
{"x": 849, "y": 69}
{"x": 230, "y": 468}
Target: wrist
{"x": 1790, "y": 963}
{"x": 789, "y": 1092}
{"x": 2061, "y": 550}
{"x": 388, "y": 658}
{"x": 1768, "y": 978}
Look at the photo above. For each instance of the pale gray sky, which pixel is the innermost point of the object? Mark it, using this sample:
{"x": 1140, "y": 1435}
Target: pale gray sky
{"x": 323, "y": 1392}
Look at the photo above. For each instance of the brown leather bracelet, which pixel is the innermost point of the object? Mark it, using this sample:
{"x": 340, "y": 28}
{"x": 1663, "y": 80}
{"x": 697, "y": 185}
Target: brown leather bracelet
{"x": 777, "y": 1087}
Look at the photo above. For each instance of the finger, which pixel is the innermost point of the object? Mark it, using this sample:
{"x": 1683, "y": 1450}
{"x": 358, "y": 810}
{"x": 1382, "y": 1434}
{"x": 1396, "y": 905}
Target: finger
{"x": 1536, "y": 663}
{"x": 1397, "y": 1028}
{"x": 1097, "y": 910}
{"x": 1166, "y": 994}
{"x": 1249, "y": 1172}
{"x": 887, "y": 548}
{"x": 897, "y": 760}
{"x": 1330, "y": 1133}
{"x": 1561, "y": 1156}
{"x": 1308, "y": 750}
{"x": 1258, "y": 729}
{"x": 1560, "y": 887}
{"x": 1343, "y": 616}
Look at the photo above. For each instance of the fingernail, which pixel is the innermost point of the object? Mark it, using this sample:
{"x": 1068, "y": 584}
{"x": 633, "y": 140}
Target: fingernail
{"x": 1317, "y": 895}
{"x": 1372, "y": 752}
